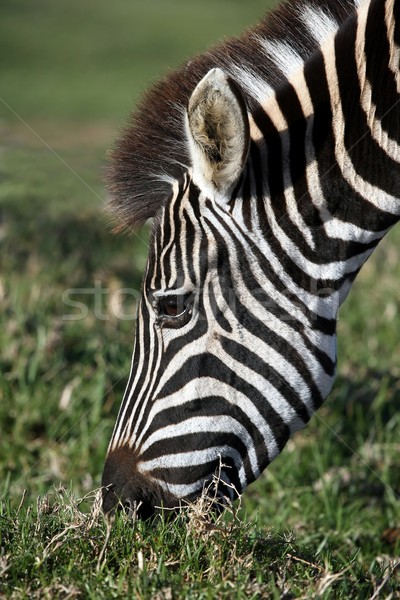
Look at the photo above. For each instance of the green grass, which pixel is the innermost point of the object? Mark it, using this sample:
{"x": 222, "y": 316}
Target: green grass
{"x": 56, "y": 550}
{"x": 318, "y": 522}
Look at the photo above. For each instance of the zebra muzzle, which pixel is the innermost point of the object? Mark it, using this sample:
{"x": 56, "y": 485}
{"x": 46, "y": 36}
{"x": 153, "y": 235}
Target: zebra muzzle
{"x": 126, "y": 489}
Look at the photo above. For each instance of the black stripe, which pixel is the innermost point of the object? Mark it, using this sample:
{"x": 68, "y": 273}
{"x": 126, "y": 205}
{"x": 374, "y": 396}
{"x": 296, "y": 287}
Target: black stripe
{"x": 384, "y": 89}
{"x": 341, "y": 199}
{"x": 261, "y": 297}
{"x": 207, "y": 365}
{"x": 191, "y": 474}
{"x": 212, "y": 407}
{"x": 269, "y": 373}
{"x": 150, "y": 356}
{"x": 321, "y": 323}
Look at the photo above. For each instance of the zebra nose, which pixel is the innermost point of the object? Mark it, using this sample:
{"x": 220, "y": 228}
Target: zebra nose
{"x": 110, "y": 499}
{"x": 125, "y": 488}
{"x": 129, "y": 498}
{"x": 131, "y": 503}
{"x": 140, "y": 509}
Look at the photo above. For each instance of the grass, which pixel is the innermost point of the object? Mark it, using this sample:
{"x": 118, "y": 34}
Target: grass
{"x": 324, "y": 520}
{"x": 186, "y": 558}
{"x": 90, "y": 61}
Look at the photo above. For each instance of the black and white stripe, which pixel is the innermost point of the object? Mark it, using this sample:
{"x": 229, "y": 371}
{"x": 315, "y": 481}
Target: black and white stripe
{"x": 266, "y": 207}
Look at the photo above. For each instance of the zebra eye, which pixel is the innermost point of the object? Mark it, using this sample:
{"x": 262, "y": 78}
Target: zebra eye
{"x": 170, "y": 306}
{"x": 173, "y": 310}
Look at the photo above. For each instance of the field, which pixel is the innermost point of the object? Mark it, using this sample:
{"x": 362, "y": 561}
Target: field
{"x": 324, "y": 520}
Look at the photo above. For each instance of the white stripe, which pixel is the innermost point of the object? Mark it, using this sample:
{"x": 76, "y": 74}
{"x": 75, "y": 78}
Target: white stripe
{"x": 283, "y": 55}
{"x": 275, "y": 399}
{"x": 348, "y": 232}
{"x": 291, "y": 337}
{"x": 125, "y": 405}
{"x": 151, "y": 374}
{"x": 181, "y": 490}
{"x": 194, "y": 458}
{"x": 215, "y": 424}
{"x": 394, "y": 59}
{"x": 320, "y": 306}
{"x": 320, "y": 25}
{"x": 171, "y": 240}
{"x": 251, "y": 83}
{"x": 201, "y": 387}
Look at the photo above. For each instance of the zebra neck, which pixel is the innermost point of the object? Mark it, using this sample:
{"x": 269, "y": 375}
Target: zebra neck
{"x": 322, "y": 185}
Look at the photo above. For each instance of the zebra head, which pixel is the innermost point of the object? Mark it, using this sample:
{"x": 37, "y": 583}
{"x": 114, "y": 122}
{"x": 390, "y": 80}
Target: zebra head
{"x": 222, "y": 371}
{"x": 271, "y": 180}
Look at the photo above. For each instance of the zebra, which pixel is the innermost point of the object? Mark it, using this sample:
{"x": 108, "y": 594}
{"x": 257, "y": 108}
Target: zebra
{"x": 270, "y": 167}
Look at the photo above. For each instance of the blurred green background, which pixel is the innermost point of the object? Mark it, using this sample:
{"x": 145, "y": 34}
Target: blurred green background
{"x": 88, "y": 60}
{"x": 70, "y": 72}
{"x": 69, "y": 75}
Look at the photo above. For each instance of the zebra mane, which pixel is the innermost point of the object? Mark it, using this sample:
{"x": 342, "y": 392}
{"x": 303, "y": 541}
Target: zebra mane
{"x": 152, "y": 151}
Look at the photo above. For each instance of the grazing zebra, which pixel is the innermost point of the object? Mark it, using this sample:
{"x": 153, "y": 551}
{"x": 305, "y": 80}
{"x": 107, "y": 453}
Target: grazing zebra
{"x": 271, "y": 167}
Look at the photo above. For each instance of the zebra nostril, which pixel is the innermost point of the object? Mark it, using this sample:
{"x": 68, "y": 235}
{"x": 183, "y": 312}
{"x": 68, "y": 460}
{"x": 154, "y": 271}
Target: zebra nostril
{"x": 129, "y": 508}
{"x": 135, "y": 509}
{"x": 139, "y": 509}
{"x": 145, "y": 510}
{"x": 110, "y": 499}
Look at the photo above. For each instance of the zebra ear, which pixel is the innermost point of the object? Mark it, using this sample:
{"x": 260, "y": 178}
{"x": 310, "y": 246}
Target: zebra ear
{"x": 218, "y": 131}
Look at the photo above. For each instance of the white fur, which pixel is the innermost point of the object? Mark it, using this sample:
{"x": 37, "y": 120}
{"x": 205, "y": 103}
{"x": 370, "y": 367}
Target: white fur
{"x": 320, "y": 25}
{"x": 283, "y": 55}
